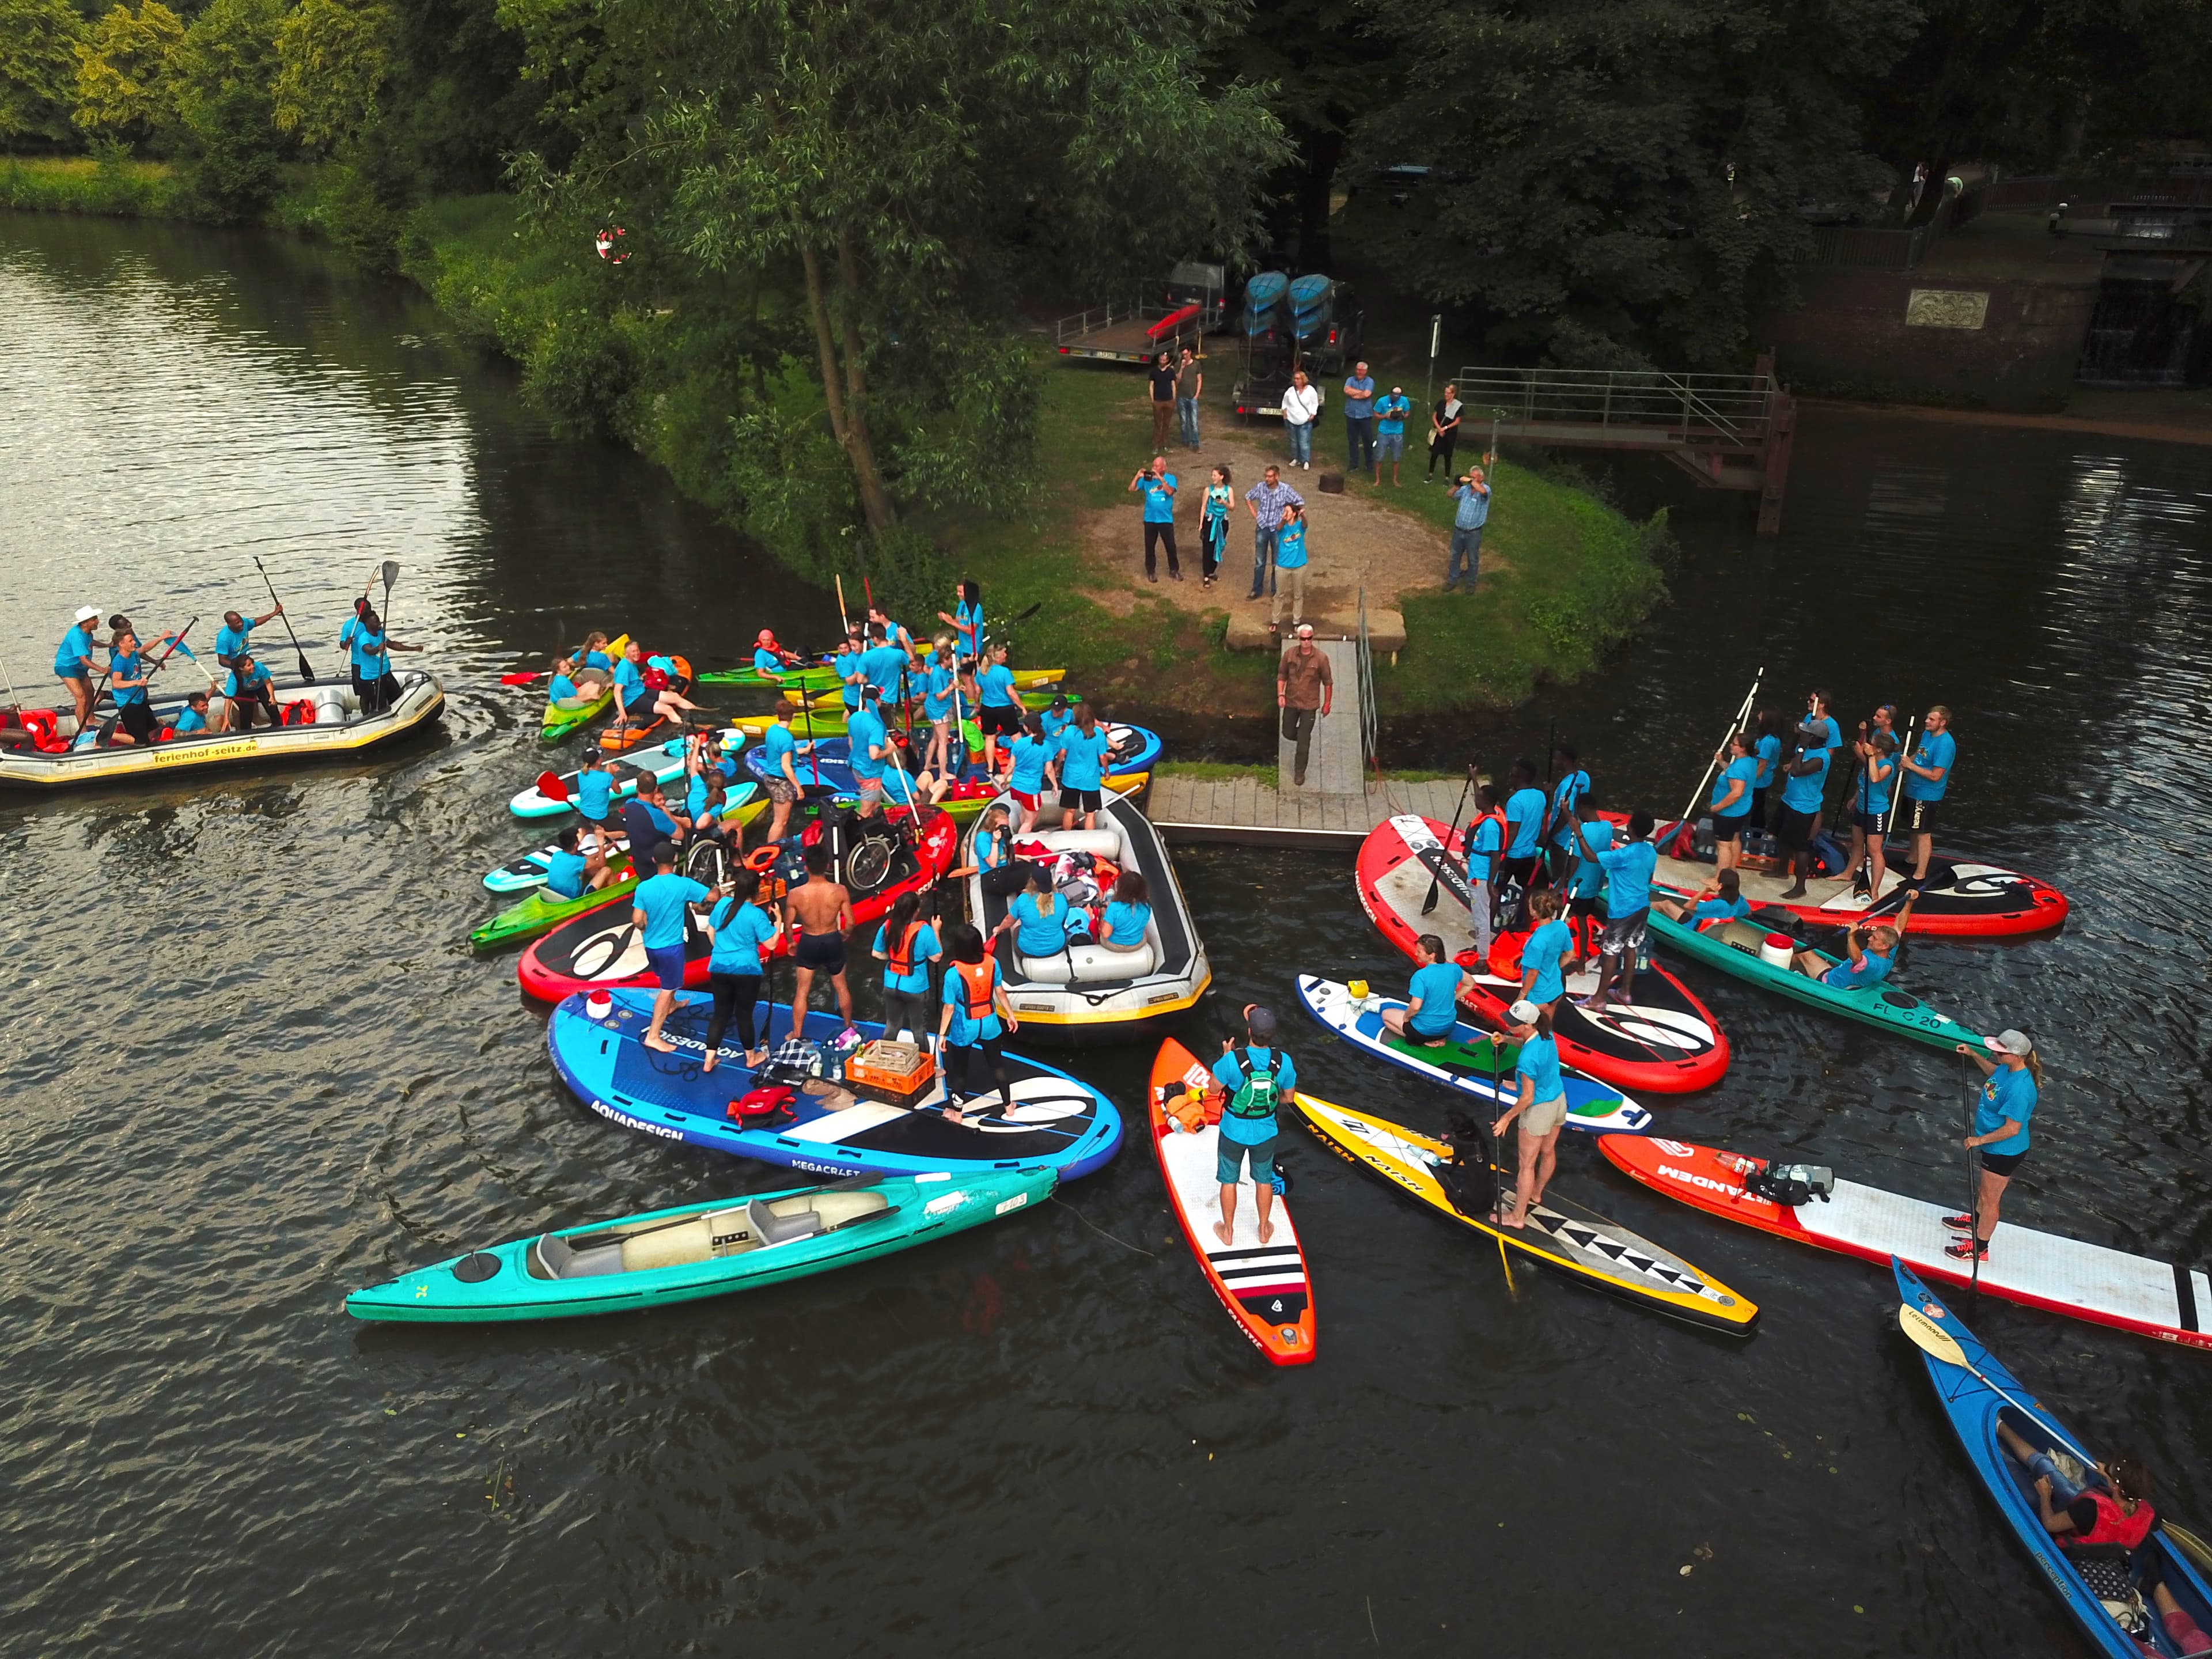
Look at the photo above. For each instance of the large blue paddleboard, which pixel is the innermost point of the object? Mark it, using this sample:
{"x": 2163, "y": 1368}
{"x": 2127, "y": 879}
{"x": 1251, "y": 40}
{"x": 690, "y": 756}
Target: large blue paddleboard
{"x": 1465, "y": 1061}
{"x": 1057, "y": 1120}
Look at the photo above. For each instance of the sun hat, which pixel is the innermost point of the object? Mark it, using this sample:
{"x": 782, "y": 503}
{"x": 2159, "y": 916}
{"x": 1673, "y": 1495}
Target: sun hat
{"x": 90, "y": 613}
{"x": 2011, "y": 1042}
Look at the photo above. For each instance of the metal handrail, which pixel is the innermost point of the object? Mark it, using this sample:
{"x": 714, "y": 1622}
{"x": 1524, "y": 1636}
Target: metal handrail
{"x": 1731, "y": 410}
{"x": 1370, "y": 715}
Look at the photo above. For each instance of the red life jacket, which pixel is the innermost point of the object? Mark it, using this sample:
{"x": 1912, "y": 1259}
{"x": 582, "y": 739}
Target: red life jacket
{"x": 2115, "y": 1525}
{"x": 655, "y": 680}
{"x": 975, "y": 988}
{"x": 901, "y": 957}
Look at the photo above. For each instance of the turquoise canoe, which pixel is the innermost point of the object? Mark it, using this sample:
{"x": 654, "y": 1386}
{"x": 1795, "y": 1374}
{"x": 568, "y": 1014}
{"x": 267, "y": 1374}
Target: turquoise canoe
{"x": 700, "y": 1251}
{"x": 1733, "y": 947}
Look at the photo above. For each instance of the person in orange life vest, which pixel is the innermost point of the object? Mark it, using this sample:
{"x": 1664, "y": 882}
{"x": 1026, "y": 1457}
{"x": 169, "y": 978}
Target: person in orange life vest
{"x": 2080, "y": 1515}
{"x": 906, "y": 945}
{"x": 975, "y": 1018}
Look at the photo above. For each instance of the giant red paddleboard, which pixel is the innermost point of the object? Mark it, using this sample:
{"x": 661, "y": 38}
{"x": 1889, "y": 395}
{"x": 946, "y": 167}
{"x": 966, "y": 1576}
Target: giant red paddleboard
{"x": 1264, "y": 1286}
{"x": 2043, "y": 1270}
{"x": 1961, "y": 897}
{"x": 1666, "y": 1041}
{"x": 603, "y": 948}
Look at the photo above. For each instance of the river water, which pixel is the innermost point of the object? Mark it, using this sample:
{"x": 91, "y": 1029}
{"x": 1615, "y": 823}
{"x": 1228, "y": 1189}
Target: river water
{"x": 249, "y": 1064}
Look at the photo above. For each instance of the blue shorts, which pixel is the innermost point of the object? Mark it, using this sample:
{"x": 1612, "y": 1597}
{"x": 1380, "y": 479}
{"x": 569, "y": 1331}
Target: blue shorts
{"x": 1231, "y": 1162}
{"x": 1390, "y": 446}
{"x": 667, "y": 965}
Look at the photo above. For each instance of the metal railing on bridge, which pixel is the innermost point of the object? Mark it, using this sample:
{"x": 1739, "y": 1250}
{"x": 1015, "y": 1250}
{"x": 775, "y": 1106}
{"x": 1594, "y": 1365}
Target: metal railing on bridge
{"x": 1634, "y": 408}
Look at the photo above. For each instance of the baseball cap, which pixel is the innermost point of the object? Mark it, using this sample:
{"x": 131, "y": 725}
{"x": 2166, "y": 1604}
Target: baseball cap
{"x": 1260, "y": 1021}
{"x": 89, "y": 613}
{"x": 1524, "y": 1013}
{"x": 2010, "y": 1042}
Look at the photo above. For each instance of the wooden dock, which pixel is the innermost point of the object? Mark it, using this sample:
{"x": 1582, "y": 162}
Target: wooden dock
{"x": 1247, "y": 813}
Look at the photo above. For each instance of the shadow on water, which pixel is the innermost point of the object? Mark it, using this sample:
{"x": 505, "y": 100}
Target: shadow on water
{"x": 250, "y": 1064}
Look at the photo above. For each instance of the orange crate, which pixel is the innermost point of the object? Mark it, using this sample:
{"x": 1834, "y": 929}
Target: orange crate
{"x": 898, "y": 1068}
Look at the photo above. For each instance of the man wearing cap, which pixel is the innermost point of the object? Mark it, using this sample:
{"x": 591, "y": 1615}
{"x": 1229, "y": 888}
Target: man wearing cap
{"x": 2001, "y": 1111}
{"x": 1539, "y": 1103}
{"x": 1304, "y": 690}
{"x": 230, "y": 639}
{"x": 1255, "y": 1076}
{"x": 73, "y": 662}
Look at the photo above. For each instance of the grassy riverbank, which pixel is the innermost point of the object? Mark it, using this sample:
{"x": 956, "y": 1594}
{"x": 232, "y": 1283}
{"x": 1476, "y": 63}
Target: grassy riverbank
{"x": 603, "y": 349}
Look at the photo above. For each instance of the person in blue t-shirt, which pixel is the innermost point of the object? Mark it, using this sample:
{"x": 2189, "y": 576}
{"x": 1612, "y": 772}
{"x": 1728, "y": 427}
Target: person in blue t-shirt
{"x": 1431, "y": 1007}
{"x": 660, "y": 910}
{"x": 907, "y": 945}
{"x": 73, "y": 662}
{"x": 1768, "y": 752}
{"x": 1128, "y": 914}
{"x": 966, "y": 620}
{"x": 1558, "y": 833}
{"x": 130, "y": 671}
{"x": 1804, "y": 791}
{"x": 1255, "y": 1075}
{"x": 1871, "y": 953}
{"x": 869, "y": 752}
{"x": 1157, "y": 486}
{"x": 1586, "y": 881}
{"x": 1628, "y": 870}
{"x": 648, "y": 824}
{"x": 594, "y": 795}
{"x": 940, "y": 684}
{"x": 2013, "y": 1083}
{"x": 370, "y": 650}
{"x": 1485, "y": 864}
{"x": 1292, "y": 562}
{"x": 885, "y": 665}
{"x": 1359, "y": 419}
{"x": 570, "y": 871}
{"x": 1055, "y": 717}
{"x": 194, "y": 718}
{"x": 744, "y": 930}
{"x": 1039, "y": 919}
{"x": 973, "y": 1019}
{"x": 247, "y": 688}
{"x": 230, "y": 639}
{"x": 1540, "y": 1104}
{"x": 1083, "y": 750}
{"x": 562, "y": 691}
{"x": 783, "y": 784}
{"x": 1874, "y": 777}
{"x": 1032, "y": 751}
{"x": 1547, "y": 951}
{"x": 1722, "y": 900}
{"x": 997, "y": 710}
{"x": 1927, "y": 776}
{"x": 1391, "y": 411}
{"x": 1735, "y": 791}
{"x": 852, "y": 678}
{"x": 1525, "y": 827}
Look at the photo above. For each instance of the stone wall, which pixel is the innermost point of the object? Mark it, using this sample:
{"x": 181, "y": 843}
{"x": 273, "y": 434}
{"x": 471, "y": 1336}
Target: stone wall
{"x": 2002, "y": 343}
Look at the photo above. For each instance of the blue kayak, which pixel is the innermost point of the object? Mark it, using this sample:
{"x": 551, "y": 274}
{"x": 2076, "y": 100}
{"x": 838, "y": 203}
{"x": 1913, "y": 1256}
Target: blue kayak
{"x": 1264, "y": 291}
{"x": 1975, "y": 1408}
{"x": 1056, "y": 1123}
{"x": 830, "y": 761}
{"x": 1309, "y": 293}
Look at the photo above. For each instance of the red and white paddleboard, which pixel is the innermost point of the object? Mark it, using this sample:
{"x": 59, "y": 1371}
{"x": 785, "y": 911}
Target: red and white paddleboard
{"x": 1264, "y": 1286}
{"x": 1666, "y": 1041}
{"x": 2043, "y": 1270}
{"x": 1960, "y": 898}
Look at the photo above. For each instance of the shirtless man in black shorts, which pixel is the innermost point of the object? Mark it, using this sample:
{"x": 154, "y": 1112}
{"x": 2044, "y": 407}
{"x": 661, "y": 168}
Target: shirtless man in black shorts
{"x": 821, "y": 911}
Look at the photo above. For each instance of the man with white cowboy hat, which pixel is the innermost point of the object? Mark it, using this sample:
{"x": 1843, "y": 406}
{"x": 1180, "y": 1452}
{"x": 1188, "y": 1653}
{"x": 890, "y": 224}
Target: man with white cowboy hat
{"x": 73, "y": 661}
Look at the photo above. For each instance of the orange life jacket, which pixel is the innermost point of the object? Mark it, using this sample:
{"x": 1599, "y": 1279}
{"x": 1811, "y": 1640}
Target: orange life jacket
{"x": 2114, "y": 1525}
{"x": 975, "y": 987}
{"x": 902, "y": 956}
{"x": 1467, "y": 842}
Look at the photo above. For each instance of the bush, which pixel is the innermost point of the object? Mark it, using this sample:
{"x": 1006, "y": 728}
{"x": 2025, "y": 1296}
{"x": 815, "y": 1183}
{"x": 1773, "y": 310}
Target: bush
{"x": 236, "y": 175}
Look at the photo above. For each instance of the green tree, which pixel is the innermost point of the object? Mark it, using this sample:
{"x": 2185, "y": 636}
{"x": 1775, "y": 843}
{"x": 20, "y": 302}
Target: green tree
{"x": 1618, "y": 185}
{"x": 223, "y": 72}
{"x": 126, "y": 85}
{"x": 38, "y": 69}
{"x": 333, "y": 58}
{"x": 914, "y": 164}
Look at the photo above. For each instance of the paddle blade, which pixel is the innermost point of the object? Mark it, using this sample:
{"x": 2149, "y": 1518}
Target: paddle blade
{"x": 2188, "y": 1543}
{"x": 1435, "y": 885}
{"x": 519, "y": 679}
{"x": 550, "y": 785}
{"x": 1928, "y": 1336}
{"x": 390, "y": 574}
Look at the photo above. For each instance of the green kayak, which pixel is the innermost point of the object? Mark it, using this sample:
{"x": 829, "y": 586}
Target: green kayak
{"x": 540, "y": 910}
{"x": 1733, "y": 947}
{"x": 562, "y": 717}
{"x": 700, "y": 1251}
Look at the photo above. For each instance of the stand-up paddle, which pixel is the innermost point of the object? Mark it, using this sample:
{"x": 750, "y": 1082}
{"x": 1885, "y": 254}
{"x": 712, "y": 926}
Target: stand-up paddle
{"x": 1497, "y": 1167}
{"x": 306, "y": 672}
{"x": 1436, "y": 881}
{"x": 550, "y": 785}
{"x": 1974, "y": 1187}
{"x": 1685, "y": 837}
{"x": 14, "y": 701}
{"x": 1932, "y": 1338}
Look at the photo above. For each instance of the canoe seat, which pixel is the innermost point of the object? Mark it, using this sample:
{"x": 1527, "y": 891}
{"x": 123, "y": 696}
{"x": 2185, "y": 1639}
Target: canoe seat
{"x": 680, "y": 1245}
{"x": 1089, "y": 964}
{"x": 776, "y": 1229}
{"x": 553, "y": 1257}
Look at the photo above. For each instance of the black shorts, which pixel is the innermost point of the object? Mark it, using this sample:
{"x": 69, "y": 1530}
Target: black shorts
{"x": 1793, "y": 829}
{"x": 1521, "y": 870}
{"x": 137, "y": 719}
{"x": 1081, "y": 800}
{"x": 1730, "y": 828}
{"x": 1002, "y": 722}
{"x": 823, "y": 952}
{"x": 1918, "y": 815}
{"x": 1872, "y": 825}
{"x": 2003, "y": 1164}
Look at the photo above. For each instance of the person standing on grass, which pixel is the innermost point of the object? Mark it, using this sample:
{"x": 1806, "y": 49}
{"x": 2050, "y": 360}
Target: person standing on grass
{"x": 1157, "y": 486}
{"x": 1390, "y": 414}
{"x": 1190, "y": 382}
{"x": 1213, "y": 527}
{"x": 1300, "y": 409}
{"x": 1443, "y": 431}
{"x": 1164, "y": 399}
{"x": 1304, "y": 690}
{"x": 1472, "y": 494}
{"x": 1267, "y": 499}
{"x": 1290, "y": 561}
{"x": 1359, "y": 419}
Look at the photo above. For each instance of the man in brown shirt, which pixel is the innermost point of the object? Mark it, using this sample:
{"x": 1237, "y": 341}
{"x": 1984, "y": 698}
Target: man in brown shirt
{"x": 1304, "y": 692}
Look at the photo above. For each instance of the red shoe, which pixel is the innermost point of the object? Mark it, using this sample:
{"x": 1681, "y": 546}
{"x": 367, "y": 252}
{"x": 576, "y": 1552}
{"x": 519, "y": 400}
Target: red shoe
{"x": 1965, "y": 1250}
{"x": 1960, "y": 1223}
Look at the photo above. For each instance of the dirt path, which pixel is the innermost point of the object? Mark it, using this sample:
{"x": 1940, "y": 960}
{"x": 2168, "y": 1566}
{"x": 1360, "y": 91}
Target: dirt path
{"x": 1352, "y": 539}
